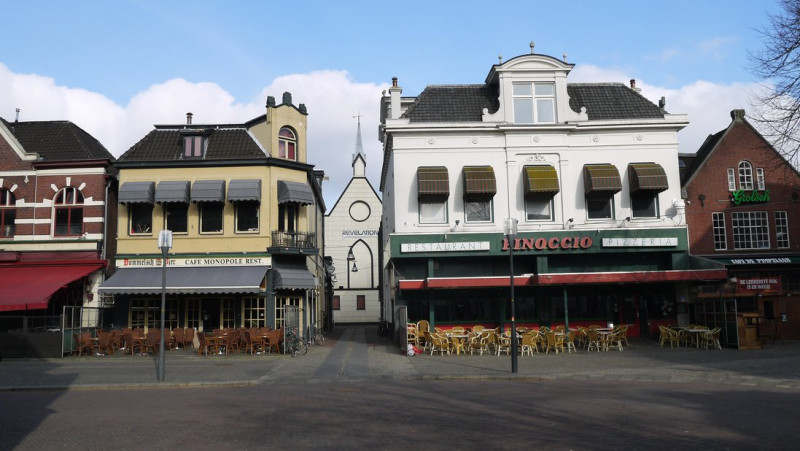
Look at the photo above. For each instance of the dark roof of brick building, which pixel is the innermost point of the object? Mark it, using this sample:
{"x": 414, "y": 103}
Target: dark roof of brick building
{"x": 57, "y": 141}
{"x": 223, "y": 144}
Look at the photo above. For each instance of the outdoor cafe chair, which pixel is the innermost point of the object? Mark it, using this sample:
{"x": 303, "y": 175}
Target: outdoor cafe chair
{"x": 527, "y": 345}
{"x": 477, "y": 328}
{"x": 592, "y": 340}
{"x": 552, "y": 343}
{"x": 439, "y": 343}
{"x": 503, "y": 345}
{"x": 152, "y": 341}
{"x": 177, "y": 338}
{"x": 711, "y": 338}
{"x": 569, "y": 342}
{"x": 613, "y": 340}
{"x": 668, "y": 336}
{"x": 103, "y": 345}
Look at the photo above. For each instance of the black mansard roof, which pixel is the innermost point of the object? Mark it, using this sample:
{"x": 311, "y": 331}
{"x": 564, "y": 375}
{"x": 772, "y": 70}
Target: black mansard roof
{"x": 57, "y": 141}
{"x": 224, "y": 143}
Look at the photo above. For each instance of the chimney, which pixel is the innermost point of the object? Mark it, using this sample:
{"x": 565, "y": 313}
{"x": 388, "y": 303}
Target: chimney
{"x": 633, "y": 85}
{"x": 662, "y": 103}
{"x": 17, "y": 118}
{"x": 188, "y": 118}
{"x": 394, "y": 94}
{"x": 737, "y": 114}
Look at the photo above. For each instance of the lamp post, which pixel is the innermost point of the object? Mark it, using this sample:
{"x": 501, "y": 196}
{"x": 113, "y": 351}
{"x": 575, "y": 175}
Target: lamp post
{"x": 165, "y": 244}
{"x": 510, "y": 230}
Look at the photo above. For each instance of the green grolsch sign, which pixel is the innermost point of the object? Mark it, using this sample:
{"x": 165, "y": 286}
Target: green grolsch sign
{"x": 753, "y": 197}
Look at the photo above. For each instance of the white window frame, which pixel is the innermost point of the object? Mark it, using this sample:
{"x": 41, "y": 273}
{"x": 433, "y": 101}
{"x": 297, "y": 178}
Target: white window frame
{"x": 203, "y": 206}
{"x": 745, "y": 176}
{"x": 487, "y": 205}
{"x": 782, "y": 229}
{"x": 536, "y": 101}
{"x": 760, "y": 179}
{"x": 529, "y": 200}
{"x": 131, "y": 225}
{"x": 611, "y": 213}
{"x": 425, "y": 207}
{"x": 750, "y": 228}
{"x": 237, "y": 207}
{"x": 720, "y": 234}
{"x": 731, "y": 179}
{"x": 656, "y": 207}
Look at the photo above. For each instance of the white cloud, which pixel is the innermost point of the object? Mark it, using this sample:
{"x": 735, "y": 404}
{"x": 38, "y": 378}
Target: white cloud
{"x": 707, "y": 104}
{"x": 331, "y": 97}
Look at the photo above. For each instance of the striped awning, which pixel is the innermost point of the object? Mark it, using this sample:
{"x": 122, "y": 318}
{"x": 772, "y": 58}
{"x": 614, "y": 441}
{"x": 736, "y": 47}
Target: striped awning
{"x": 647, "y": 177}
{"x": 479, "y": 183}
{"x": 601, "y": 178}
{"x": 136, "y": 192}
{"x": 433, "y": 183}
{"x": 170, "y": 191}
{"x": 540, "y": 179}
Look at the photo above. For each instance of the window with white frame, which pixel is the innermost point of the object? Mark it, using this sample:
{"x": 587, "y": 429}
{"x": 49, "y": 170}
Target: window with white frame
{"x": 750, "y": 230}
{"x": 745, "y": 176}
{"x": 731, "y": 179}
{"x": 644, "y": 204}
{"x": 176, "y": 216}
{"x": 782, "y": 229}
{"x": 68, "y": 209}
{"x": 8, "y": 213}
{"x": 718, "y": 225}
{"x": 539, "y": 207}
{"x": 247, "y": 215}
{"x": 534, "y": 103}
{"x": 287, "y": 144}
{"x": 211, "y": 217}
{"x": 760, "y": 179}
{"x": 140, "y": 219}
{"x": 599, "y": 206}
{"x": 432, "y": 212}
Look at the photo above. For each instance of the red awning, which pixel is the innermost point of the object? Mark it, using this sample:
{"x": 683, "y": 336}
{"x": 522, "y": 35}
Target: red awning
{"x": 567, "y": 279}
{"x": 30, "y": 287}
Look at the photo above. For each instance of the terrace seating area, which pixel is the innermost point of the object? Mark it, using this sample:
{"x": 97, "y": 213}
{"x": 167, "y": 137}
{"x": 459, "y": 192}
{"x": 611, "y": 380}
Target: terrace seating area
{"x": 137, "y": 341}
{"x": 480, "y": 340}
{"x": 691, "y": 335}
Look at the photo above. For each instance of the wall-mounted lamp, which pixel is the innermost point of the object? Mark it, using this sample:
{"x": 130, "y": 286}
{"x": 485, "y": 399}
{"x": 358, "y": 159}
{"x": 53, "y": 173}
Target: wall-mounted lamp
{"x": 355, "y": 269}
{"x": 628, "y": 219}
{"x": 702, "y": 199}
{"x": 352, "y": 258}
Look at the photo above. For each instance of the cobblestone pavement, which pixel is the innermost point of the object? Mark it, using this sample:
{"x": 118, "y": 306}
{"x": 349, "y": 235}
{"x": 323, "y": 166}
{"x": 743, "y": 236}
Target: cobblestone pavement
{"x": 357, "y": 391}
{"x": 356, "y": 353}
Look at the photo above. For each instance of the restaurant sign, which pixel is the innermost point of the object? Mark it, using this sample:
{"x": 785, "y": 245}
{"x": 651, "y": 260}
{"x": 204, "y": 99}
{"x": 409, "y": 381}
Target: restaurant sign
{"x": 641, "y": 242}
{"x": 758, "y": 285}
{"x": 193, "y": 262}
{"x": 461, "y": 246}
{"x": 754, "y": 197}
{"x": 552, "y": 243}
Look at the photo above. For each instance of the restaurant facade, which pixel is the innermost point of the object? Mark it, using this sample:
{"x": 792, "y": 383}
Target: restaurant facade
{"x": 246, "y": 213}
{"x": 586, "y": 172}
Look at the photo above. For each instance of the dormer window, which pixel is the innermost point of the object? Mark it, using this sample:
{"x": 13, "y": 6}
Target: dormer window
{"x": 287, "y": 144}
{"x": 193, "y": 146}
{"x": 534, "y": 103}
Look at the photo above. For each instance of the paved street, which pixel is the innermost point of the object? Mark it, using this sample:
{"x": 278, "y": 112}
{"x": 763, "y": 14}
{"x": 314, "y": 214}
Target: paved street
{"x": 357, "y": 391}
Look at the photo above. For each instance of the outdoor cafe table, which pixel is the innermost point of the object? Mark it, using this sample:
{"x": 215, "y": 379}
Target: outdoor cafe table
{"x": 460, "y": 338}
{"x": 696, "y": 335}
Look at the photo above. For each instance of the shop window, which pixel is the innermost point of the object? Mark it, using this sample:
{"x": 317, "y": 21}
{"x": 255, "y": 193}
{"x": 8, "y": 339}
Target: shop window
{"x": 228, "y": 313}
{"x": 335, "y": 304}
{"x": 211, "y": 217}
{"x": 782, "y": 229}
{"x": 176, "y": 217}
{"x": 361, "y": 302}
{"x": 193, "y": 313}
{"x": 718, "y": 225}
{"x": 8, "y": 213}
{"x": 68, "y": 209}
{"x": 750, "y": 230}
{"x": 280, "y": 309}
{"x": 287, "y": 144}
{"x": 247, "y": 216}
{"x": 255, "y": 312}
{"x": 140, "y": 219}
{"x": 644, "y": 204}
{"x": 534, "y": 103}
{"x": 433, "y": 212}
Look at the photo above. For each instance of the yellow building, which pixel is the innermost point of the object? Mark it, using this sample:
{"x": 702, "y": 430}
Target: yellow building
{"x": 245, "y": 210}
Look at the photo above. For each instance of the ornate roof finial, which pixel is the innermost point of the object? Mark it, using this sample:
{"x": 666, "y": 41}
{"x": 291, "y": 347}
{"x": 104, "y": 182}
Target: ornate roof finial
{"x": 532, "y": 46}
{"x": 564, "y": 55}
{"x": 499, "y": 58}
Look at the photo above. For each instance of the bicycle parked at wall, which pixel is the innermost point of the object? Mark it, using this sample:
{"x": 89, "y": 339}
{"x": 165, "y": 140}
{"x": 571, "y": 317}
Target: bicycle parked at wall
{"x": 294, "y": 344}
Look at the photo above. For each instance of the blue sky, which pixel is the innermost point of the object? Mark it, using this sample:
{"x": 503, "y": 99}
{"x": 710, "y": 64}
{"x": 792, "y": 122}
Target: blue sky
{"x": 117, "y": 67}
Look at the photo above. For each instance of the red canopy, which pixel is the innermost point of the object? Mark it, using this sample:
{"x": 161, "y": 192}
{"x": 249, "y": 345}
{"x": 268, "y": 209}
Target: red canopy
{"x": 31, "y": 286}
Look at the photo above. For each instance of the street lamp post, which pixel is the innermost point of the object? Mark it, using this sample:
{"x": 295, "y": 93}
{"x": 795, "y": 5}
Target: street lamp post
{"x": 510, "y": 230}
{"x": 165, "y": 244}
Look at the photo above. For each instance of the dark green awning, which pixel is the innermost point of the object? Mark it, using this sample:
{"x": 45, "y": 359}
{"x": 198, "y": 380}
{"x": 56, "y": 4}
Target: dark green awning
{"x": 479, "y": 183}
{"x": 137, "y": 192}
{"x": 647, "y": 177}
{"x": 540, "y": 179}
{"x": 433, "y": 183}
{"x": 601, "y": 178}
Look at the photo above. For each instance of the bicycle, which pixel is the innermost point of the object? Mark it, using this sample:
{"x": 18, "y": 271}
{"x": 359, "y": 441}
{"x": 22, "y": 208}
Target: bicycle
{"x": 383, "y": 328}
{"x": 295, "y": 345}
{"x": 319, "y": 336}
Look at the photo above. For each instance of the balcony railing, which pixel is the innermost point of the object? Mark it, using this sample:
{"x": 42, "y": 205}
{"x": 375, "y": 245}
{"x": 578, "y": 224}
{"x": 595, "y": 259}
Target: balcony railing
{"x": 293, "y": 240}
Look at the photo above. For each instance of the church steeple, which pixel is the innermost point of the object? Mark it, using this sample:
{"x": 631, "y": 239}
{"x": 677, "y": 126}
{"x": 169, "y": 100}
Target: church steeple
{"x": 359, "y": 159}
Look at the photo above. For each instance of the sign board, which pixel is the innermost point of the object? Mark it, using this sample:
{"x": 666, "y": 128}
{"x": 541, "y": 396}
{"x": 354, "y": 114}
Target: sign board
{"x": 195, "y": 262}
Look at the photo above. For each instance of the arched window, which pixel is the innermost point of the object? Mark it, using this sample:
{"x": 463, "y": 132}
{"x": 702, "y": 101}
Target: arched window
{"x": 745, "y": 176}
{"x": 8, "y": 213}
{"x": 287, "y": 144}
{"x": 68, "y": 212}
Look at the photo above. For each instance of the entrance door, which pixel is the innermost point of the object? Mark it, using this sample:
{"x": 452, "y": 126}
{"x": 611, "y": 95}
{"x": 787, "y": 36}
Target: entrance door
{"x": 629, "y": 314}
{"x": 211, "y": 314}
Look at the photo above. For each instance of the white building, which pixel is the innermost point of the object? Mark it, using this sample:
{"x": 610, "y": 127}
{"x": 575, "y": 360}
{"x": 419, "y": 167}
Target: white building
{"x": 588, "y": 170}
{"x": 351, "y": 237}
